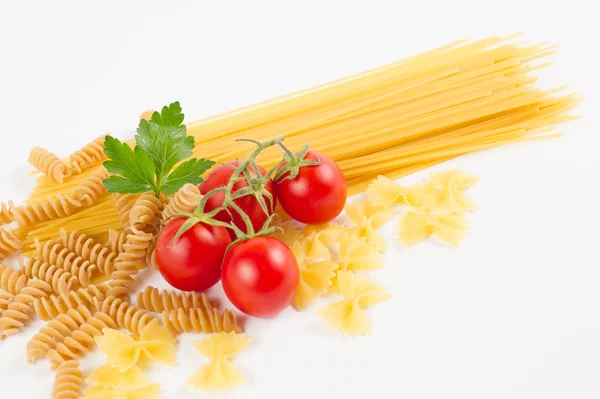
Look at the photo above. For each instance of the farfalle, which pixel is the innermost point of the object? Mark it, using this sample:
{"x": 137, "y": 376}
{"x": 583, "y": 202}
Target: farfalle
{"x": 148, "y": 392}
{"x": 385, "y": 192}
{"x": 315, "y": 277}
{"x": 219, "y": 373}
{"x": 368, "y": 218}
{"x": 108, "y": 376}
{"x": 124, "y": 352}
{"x": 359, "y": 293}
{"x": 317, "y": 239}
{"x": 415, "y": 227}
{"x": 446, "y": 192}
{"x": 289, "y": 233}
{"x": 356, "y": 255}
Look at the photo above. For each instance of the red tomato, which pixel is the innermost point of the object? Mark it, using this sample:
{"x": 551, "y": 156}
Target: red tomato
{"x": 317, "y": 194}
{"x": 193, "y": 261}
{"x": 260, "y": 276}
{"x": 219, "y": 177}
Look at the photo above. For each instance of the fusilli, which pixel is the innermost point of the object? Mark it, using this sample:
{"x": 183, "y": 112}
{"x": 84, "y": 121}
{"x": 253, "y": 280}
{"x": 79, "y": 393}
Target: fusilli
{"x": 126, "y": 316}
{"x": 116, "y": 241}
{"x": 89, "y": 155}
{"x": 90, "y": 250}
{"x": 68, "y": 381}
{"x": 6, "y": 212}
{"x": 9, "y": 243}
{"x": 49, "y": 164}
{"x": 129, "y": 262}
{"x": 19, "y": 311}
{"x": 49, "y": 308}
{"x": 5, "y": 299}
{"x": 184, "y": 201}
{"x": 200, "y": 321}
{"x": 124, "y": 203}
{"x": 44, "y": 210}
{"x": 61, "y": 280}
{"x": 155, "y": 300}
{"x": 145, "y": 211}
{"x": 91, "y": 188}
{"x": 55, "y": 253}
{"x": 12, "y": 281}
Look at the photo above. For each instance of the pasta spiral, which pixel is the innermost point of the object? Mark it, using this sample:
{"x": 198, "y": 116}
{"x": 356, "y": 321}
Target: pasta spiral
{"x": 89, "y": 155}
{"x": 81, "y": 340}
{"x": 56, "y": 254}
{"x": 145, "y": 211}
{"x": 5, "y": 299}
{"x": 20, "y": 309}
{"x": 9, "y": 243}
{"x": 49, "y": 308}
{"x": 154, "y": 300}
{"x": 49, "y": 164}
{"x": 200, "y": 321}
{"x": 68, "y": 381}
{"x": 55, "y": 331}
{"x": 12, "y": 281}
{"x": 6, "y": 212}
{"x": 116, "y": 241}
{"x": 126, "y": 316}
{"x": 90, "y": 250}
{"x": 124, "y": 203}
{"x": 91, "y": 188}
{"x": 61, "y": 280}
{"x": 44, "y": 210}
{"x": 129, "y": 261}
{"x": 184, "y": 201}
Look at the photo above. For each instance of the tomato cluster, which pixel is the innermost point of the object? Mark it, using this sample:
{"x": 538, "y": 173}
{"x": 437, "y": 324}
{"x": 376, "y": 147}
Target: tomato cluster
{"x": 259, "y": 273}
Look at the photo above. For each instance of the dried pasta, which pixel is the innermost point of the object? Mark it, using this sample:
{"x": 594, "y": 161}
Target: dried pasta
{"x": 145, "y": 211}
{"x": 286, "y": 232}
{"x": 155, "y": 300}
{"x": 49, "y": 164}
{"x": 116, "y": 241}
{"x": 108, "y": 376}
{"x": 200, "y": 321}
{"x": 317, "y": 238}
{"x": 9, "y": 243}
{"x": 184, "y": 201}
{"x": 415, "y": 227}
{"x": 81, "y": 341}
{"x": 368, "y": 218}
{"x": 151, "y": 391}
{"x": 20, "y": 310}
{"x": 315, "y": 277}
{"x": 91, "y": 188}
{"x": 124, "y": 203}
{"x": 6, "y": 212}
{"x": 55, "y": 253}
{"x": 59, "y": 279}
{"x": 356, "y": 255}
{"x": 5, "y": 299}
{"x": 124, "y": 351}
{"x": 68, "y": 381}
{"x": 219, "y": 373}
{"x": 126, "y": 316}
{"x": 90, "y": 250}
{"x": 88, "y": 156}
{"x": 385, "y": 192}
{"x": 359, "y": 293}
{"x": 53, "y": 208}
{"x": 446, "y": 192}
{"x": 12, "y": 281}
{"x": 55, "y": 331}
{"x": 55, "y": 305}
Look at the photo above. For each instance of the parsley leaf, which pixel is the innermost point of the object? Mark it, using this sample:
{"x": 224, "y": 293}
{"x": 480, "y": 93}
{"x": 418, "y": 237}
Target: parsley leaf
{"x": 161, "y": 143}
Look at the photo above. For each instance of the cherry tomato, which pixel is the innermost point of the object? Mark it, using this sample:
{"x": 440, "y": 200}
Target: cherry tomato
{"x": 219, "y": 177}
{"x": 260, "y": 276}
{"x": 193, "y": 261}
{"x": 317, "y": 194}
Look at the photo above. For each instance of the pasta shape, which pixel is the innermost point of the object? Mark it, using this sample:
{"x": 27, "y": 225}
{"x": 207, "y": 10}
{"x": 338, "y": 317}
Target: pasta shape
{"x": 6, "y": 212}
{"x": 315, "y": 277}
{"x": 60, "y": 280}
{"x": 124, "y": 352}
{"x": 287, "y": 232}
{"x": 55, "y": 253}
{"x": 200, "y": 321}
{"x": 9, "y": 243}
{"x": 116, "y": 241}
{"x": 416, "y": 227}
{"x": 154, "y": 300}
{"x": 68, "y": 381}
{"x": 148, "y": 392}
{"x": 91, "y": 188}
{"x": 88, "y": 156}
{"x": 20, "y": 310}
{"x": 355, "y": 255}
{"x": 219, "y": 373}
{"x": 81, "y": 341}
{"x": 12, "y": 281}
{"x": 368, "y": 218}
{"x": 385, "y": 192}
{"x": 126, "y": 316}
{"x": 124, "y": 203}
{"x": 51, "y": 307}
{"x": 184, "y": 201}
{"x": 49, "y": 164}
{"x": 359, "y": 293}
{"x": 107, "y": 376}
{"x": 129, "y": 262}
{"x": 5, "y": 299}
{"x": 90, "y": 250}
{"x": 48, "y": 209}
{"x": 145, "y": 211}
{"x": 447, "y": 192}
{"x": 55, "y": 331}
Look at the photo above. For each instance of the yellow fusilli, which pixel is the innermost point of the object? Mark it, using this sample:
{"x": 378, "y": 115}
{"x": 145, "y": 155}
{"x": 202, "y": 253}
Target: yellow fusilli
{"x": 68, "y": 381}
{"x": 6, "y": 212}
{"x": 49, "y": 164}
{"x": 5, "y": 300}
{"x": 9, "y": 243}
{"x": 155, "y": 300}
{"x": 200, "y": 321}
{"x": 49, "y": 209}
{"x": 89, "y": 155}
{"x": 12, "y": 281}
{"x": 126, "y": 316}
{"x": 91, "y": 188}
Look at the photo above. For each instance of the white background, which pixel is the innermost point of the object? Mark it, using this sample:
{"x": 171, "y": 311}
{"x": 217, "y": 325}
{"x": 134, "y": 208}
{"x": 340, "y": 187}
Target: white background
{"x": 513, "y": 313}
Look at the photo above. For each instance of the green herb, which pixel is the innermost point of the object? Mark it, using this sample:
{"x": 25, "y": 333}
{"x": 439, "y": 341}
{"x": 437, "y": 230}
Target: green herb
{"x": 161, "y": 143}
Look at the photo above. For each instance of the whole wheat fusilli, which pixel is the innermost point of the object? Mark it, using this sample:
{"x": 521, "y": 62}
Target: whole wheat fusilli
{"x": 49, "y": 164}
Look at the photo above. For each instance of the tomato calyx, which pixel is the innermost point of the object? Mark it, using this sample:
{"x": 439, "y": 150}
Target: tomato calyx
{"x": 293, "y": 162}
